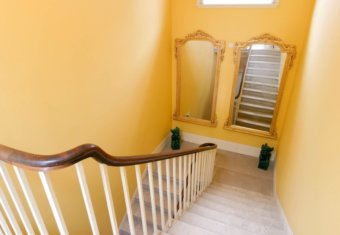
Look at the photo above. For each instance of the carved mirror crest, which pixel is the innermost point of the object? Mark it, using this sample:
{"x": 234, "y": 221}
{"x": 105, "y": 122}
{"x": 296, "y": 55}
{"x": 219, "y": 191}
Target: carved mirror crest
{"x": 261, "y": 67}
{"x": 198, "y": 66}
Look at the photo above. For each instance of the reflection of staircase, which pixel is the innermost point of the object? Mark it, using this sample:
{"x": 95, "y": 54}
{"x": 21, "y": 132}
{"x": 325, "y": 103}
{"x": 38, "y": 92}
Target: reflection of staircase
{"x": 259, "y": 89}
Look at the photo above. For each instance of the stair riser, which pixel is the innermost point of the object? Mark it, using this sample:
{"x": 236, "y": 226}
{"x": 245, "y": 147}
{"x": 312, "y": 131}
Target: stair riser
{"x": 255, "y": 118}
{"x": 258, "y": 102}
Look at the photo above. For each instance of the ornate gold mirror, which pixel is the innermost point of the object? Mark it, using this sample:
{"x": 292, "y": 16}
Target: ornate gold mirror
{"x": 261, "y": 67}
{"x": 198, "y": 65}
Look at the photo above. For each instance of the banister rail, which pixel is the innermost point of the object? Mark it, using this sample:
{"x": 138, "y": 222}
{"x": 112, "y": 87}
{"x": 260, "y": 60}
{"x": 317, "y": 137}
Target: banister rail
{"x": 56, "y": 161}
{"x": 186, "y": 175}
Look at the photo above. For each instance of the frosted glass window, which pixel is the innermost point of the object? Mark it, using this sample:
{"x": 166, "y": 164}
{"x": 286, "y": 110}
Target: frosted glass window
{"x": 237, "y": 2}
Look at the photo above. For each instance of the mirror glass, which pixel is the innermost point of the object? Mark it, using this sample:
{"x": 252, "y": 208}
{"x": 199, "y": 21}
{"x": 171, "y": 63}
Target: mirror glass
{"x": 198, "y": 60}
{"x": 258, "y": 84}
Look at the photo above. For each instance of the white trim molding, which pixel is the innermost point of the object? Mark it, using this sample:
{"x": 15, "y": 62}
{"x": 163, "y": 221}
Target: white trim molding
{"x": 225, "y": 145}
{"x": 287, "y": 228}
{"x": 162, "y": 144}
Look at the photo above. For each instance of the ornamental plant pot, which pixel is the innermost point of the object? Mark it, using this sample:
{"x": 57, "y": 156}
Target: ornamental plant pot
{"x": 264, "y": 158}
{"x": 175, "y": 139}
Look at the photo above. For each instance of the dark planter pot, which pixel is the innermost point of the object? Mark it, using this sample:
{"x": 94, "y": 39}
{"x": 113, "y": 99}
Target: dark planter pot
{"x": 175, "y": 138}
{"x": 264, "y": 164}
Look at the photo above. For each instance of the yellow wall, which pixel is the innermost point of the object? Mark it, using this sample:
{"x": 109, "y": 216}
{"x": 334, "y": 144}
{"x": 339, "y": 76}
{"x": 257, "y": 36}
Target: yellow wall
{"x": 288, "y": 21}
{"x": 77, "y": 71}
{"x": 308, "y": 161}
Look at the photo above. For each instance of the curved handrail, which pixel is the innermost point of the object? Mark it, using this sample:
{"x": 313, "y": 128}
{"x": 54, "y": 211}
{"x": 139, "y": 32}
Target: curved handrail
{"x": 49, "y": 162}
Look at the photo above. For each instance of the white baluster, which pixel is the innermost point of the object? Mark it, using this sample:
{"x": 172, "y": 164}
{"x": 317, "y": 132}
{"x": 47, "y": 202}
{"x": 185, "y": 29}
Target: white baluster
{"x": 212, "y": 162}
{"x": 180, "y": 185}
{"x": 174, "y": 181}
{"x": 205, "y": 170}
{"x": 196, "y": 175}
{"x": 199, "y": 174}
{"x": 168, "y": 187}
{"x": 108, "y": 196}
{"x": 141, "y": 198}
{"x": 193, "y": 167}
{"x": 10, "y": 216}
{"x": 53, "y": 203}
{"x": 160, "y": 187}
{"x": 185, "y": 181}
{"x": 210, "y": 167}
{"x": 30, "y": 200}
{"x": 127, "y": 200}
{"x": 189, "y": 180}
{"x": 152, "y": 196}
{"x": 15, "y": 197}
{"x": 3, "y": 225}
{"x": 87, "y": 198}
{"x": 202, "y": 172}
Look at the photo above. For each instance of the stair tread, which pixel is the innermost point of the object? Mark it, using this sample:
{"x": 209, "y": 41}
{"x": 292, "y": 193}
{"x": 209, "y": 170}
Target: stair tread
{"x": 253, "y": 122}
{"x": 264, "y": 62}
{"x": 240, "y": 190}
{"x": 252, "y": 113}
{"x": 238, "y": 207}
{"x": 211, "y": 225}
{"x": 261, "y": 91}
{"x": 262, "y": 76}
{"x": 257, "y": 106}
{"x": 265, "y": 69}
{"x": 180, "y": 227}
{"x": 258, "y": 98}
{"x": 247, "y": 199}
{"x": 262, "y": 84}
{"x": 269, "y": 56}
{"x": 248, "y": 222}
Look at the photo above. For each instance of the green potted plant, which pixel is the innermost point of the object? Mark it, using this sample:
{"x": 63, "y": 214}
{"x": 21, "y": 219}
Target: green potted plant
{"x": 175, "y": 138}
{"x": 264, "y": 157}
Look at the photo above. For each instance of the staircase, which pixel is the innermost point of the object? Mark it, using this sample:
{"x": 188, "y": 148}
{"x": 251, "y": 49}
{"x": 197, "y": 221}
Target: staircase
{"x": 238, "y": 202}
{"x": 255, "y": 105}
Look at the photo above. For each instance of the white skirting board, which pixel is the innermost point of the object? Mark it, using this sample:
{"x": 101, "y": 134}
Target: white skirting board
{"x": 162, "y": 144}
{"x": 225, "y": 145}
{"x": 288, "y": 230}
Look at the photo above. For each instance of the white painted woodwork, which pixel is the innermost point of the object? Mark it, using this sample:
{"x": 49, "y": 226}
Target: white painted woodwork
{"x": 141, "y": 198}
{"x": 193, "y": 167}
{"x": 189, "y": 181}
{"x": 3, "y": 225}
{"x": 58, "y": 216}
{"x": 168, "y": 188}
{"x": 9, "y": 214}
{"x": 15, "y": 198}
{"x": 127, "y": 200}
{"x": 160, "y": 188}
{"x": 152, "y": 195}
{"x": 87, "y": 198}
{"x": 185, "y": 158}
{"x": 180, "y": 185}
{"x": 174, "y": 184}
{"x": 108, "y": 197}
{"x": 30, "y": 200}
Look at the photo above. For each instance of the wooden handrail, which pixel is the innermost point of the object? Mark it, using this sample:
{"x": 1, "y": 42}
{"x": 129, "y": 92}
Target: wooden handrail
{"x": 49, "y": 162}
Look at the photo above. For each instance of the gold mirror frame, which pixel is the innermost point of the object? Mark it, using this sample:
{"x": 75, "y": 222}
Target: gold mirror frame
{"x": 219, "y": 46}
{"x": 291, "y": 54}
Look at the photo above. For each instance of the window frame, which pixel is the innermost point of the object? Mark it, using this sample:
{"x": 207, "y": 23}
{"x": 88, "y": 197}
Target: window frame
{"x": 275, "y": 3}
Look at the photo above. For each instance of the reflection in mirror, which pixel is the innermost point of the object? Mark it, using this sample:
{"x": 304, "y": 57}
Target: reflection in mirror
{"x": 262, "y": 64}
{"x": 198, "y": 62}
